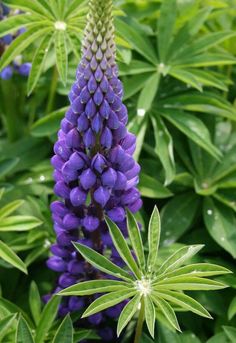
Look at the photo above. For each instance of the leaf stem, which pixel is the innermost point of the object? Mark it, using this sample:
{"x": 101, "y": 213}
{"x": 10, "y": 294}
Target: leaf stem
{"x": 139, "y": 327}
{"x": 52, "y": 91}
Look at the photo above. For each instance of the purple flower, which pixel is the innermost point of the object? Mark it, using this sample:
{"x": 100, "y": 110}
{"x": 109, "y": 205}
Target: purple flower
{"x": 95, "y": 172}
{"x": 24, "y": 69}
{"x": 6, "y": 73}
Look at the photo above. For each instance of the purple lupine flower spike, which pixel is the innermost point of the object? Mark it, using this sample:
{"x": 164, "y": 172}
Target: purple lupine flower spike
{"x": 95, "y": 172}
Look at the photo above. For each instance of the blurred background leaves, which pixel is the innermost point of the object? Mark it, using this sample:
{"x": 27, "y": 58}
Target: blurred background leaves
{"x": 177, "y": 63}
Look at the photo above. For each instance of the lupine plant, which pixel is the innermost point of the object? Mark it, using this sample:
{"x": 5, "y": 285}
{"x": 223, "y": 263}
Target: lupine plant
{"x": 95, "y": 172}
{"x": 176, "y": 61}
{"x": 148, "y": 285}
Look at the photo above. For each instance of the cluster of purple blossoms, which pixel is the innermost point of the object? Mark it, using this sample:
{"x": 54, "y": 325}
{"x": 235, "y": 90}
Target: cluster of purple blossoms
{"x": 95, "y": 172}
{"x": 17, "y": 65}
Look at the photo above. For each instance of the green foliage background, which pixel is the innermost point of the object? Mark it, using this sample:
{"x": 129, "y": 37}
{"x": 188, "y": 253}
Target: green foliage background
{"x": 178, "y": 69}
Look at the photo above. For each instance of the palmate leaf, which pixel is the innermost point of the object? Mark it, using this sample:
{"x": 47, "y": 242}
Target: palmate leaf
{"x": 35, "y": 302}
{"x": 108, "y": 300}
{"x": 96, "y": 286}
{"x": 154, "y": 294}
{"x": 122, "y": 247}
{"x": 184, "y": 301}
{"x": 127, "y": 313}
{"x": 102, "y": 263}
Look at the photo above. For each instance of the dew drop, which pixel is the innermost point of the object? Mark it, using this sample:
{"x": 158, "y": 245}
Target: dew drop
{"x": 209, "y": 212}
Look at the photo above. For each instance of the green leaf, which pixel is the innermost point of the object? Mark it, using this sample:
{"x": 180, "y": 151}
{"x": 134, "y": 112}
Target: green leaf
{"x": 19, "y": 223}
{"x": 184, "y": 283}
{"x": 167, "y": 311}
{"x": 64, "y": 332}
{"x": 135, "y": 239}
{"x": 49, "y": 124}
{"x": 83, "y": 334}
{"x": 93, "y": 287}
{"x": 220, "y": 223}
{"x": 30, "y": 6}
{"x": 136, "y": 67}
{"x": 35, "y": 302}
{"x": 107, "y": 300}
{"x": 197, "y": 269}
{"x": 138, "y": 41}
{"x": 127, "y": 313}
{"x": 5, "y": 324}
{"x": 164, "y": 148}
{"x": 7, "y": 165}
{"x": 180, "y": 211}
{"x": 186, "y": 77}
{"x": 74, "y": 7}
{"x": 166, "y": 25}
{"x": 188, "y": 30}
{"x": 154, "y": 232}
{"x": 15, "y": 22}
{"x": 11, "y": 307}
{"x": 232, "y": 309}
{"x": 23, "y": 334}
{"x": 134, "y": 84}
{"x": 206, "y": 102}
{"x": 184, "y": 301}
{"x": 138, "y": 127}
{"x": 122, "y": 247}
{"x": 178, "y": 258}
{"x": 9, "y": 208}
{"x": 152, "y": 188}
{"x": 206, "y": 42}
{"x": 193, "y": 128}
{"x": 148, "y": 92}
{"x": 38, "y": 63}
{"x": 230, "y": 332}
{"x": 61, "y": 54}
{"x": 207, "y": 60}
{"x": 102, "y": 263}
{"x": 208, "y": 78}
{"x": 46, "y": 319}
{"x": 21, "y": 43}
{"x": 150, "y": 315}
{"x": 8, "y": 255}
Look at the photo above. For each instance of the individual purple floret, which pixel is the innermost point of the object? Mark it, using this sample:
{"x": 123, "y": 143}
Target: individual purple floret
{"x": 95, "y": 172}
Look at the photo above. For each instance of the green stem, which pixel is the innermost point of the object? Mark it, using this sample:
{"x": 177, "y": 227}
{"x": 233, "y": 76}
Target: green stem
{"x": 52, "y": 91}
{"x": 139, "y": 327}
